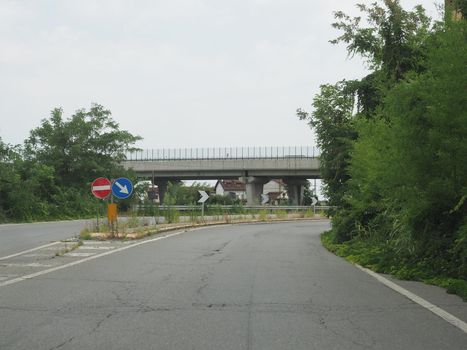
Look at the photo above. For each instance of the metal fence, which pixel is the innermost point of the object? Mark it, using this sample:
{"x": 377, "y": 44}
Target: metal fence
{"x": 244, "y": 208}
{"x": 216, "y": 153}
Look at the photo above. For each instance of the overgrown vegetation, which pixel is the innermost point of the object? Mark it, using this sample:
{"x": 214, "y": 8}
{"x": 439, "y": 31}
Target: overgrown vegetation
{"x": 393, "y": 146}
{"x": 49, "y": 176}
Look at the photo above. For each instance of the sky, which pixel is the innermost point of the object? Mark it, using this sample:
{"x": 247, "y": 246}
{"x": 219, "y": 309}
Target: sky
{"x": 179, "y": 73}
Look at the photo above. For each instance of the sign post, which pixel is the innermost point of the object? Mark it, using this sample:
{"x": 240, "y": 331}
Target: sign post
{"x": 314, "y": 200}
{"x": 112, "y": 212}
{"x": 264, "y": 199}
{"x": 204, "y": 198}
{"x": 100, "y": 188}
{"x": 122, "y": 188}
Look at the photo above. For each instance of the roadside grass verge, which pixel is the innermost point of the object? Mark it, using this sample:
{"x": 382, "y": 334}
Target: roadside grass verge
{"x": 137, "y": 228}
{"x": 380, "y": 258}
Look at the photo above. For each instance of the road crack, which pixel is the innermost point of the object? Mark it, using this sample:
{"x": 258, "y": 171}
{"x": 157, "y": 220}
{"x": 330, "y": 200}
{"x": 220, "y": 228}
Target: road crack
{"x": 68, "y": 341}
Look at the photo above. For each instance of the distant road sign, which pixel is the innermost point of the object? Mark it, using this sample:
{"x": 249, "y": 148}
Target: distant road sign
{"x": 122, "y": 188}
{"x": 101, "y": 187}
{"x": 204, "y": 196}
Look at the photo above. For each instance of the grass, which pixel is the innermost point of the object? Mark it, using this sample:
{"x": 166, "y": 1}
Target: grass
{"x": 263, "y": 215}
{"x": 85, "y": 234}
{"x": 138, "y": 227}
{"x": 379, "y": 258}
{"x": 68, "y": 249}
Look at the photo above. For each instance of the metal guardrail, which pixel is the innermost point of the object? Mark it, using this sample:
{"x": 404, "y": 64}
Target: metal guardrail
{"x": 236, "y": 207}
{"x": 217, "y": 153}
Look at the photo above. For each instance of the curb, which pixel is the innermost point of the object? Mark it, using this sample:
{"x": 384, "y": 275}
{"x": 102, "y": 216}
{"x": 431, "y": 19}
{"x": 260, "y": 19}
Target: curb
{"x": 131, "y": 236}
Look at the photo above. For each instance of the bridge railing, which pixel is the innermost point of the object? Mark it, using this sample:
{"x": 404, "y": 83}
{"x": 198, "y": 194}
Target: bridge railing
{"x": 216, "y": 153}
{"x": 271, "y": 208}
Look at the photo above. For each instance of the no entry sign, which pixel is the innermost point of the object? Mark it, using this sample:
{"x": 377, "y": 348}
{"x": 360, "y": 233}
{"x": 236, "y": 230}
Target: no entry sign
{"x": 101, "y": 187}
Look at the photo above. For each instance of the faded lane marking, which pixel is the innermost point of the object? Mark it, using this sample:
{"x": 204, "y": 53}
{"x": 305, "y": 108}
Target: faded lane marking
{"x": 5, "y": 277}
{"x": 419, "y": 300}
{"x": 86, "y": 247}
{"x": 79, "y": 255}
{"x": 29, "y": 250}
{"x": 95, "y": 242}
{"x": 57, "y": 268}
{"x": 36, "y": 255}
{"x": 25, "y": 265}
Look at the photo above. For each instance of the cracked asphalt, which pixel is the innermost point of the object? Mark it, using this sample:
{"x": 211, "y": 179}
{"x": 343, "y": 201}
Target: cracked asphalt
{"x": 257, "y": 286}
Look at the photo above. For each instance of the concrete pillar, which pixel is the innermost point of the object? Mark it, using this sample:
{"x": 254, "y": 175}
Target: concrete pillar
{"x": 254, "y": 188}
{"x": 162, "y": 187}
{"x": 295, "y": 189}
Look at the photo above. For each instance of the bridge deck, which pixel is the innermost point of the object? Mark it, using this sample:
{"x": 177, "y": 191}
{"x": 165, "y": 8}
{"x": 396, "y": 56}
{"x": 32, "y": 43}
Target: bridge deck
{"x": 195, "y": 169}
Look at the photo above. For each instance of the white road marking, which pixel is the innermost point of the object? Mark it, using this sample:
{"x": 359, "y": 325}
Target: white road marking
{"x": 420, "y": 301}
{"x": 25, "y": 265}
{"x": 35, "y": 255}
{"x": 95, "y": 242}
{"x": 55, "y": 249}
{"x": 80, "y": 254}
{"x": 29, "y": 250}
{"x": 95, "y": 248}
{"x": 5, "y": 277}
{"x": 56, "y": 268}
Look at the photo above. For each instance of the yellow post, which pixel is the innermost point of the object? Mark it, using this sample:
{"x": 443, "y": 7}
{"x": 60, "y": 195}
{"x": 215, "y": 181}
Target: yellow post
{"x": 112, "y": 212}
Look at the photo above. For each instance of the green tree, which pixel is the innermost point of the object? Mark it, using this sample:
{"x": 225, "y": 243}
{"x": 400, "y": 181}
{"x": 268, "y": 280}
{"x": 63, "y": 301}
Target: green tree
{"x": 180, "y": 194}
{"x": 394, "y": 43}
{"x": 394, "y": 40}
{"x": 87, "y": 145}
{"x": 428, "y": 130}
{"x": 332, "y": 119}
{"x": 26, "y": 188}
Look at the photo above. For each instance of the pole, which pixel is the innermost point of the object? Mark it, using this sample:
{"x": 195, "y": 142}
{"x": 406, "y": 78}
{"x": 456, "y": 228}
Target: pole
{"x": 202, "y": 212}
{"x": 112, "y": 221}
{"x": 97, "y": 217}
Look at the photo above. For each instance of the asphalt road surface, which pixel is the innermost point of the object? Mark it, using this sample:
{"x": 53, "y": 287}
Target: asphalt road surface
{"x": 15, "y": 238}
{"x": 257, "y": 286}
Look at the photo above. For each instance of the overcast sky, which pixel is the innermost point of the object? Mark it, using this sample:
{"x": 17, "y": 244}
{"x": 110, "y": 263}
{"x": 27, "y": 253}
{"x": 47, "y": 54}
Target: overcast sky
{"x": 179, "y": 73}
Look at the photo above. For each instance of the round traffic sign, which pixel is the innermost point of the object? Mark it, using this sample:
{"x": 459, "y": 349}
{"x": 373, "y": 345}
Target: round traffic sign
{"x": 122, "y": 188}
{"x": 101, "y": 187}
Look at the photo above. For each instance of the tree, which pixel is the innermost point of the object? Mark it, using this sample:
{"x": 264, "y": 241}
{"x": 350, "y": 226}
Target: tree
{"x": 393, "y": 44}
{"x": 180, "y": 194}
{"x": 428, "y": 115}
{"x": 332, "y": 119}
{"x": 394, "y": 41}
{"x": 81, "y": 148}
{"x": 26, "y": 188}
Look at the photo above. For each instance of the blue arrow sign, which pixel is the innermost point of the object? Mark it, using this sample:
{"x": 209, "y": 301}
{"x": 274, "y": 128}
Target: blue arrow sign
{"x": 122, "y": 188}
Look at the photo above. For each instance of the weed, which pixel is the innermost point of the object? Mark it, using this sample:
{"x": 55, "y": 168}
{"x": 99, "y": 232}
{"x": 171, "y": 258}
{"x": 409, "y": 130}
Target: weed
{"x": 85, "y": 234}
{"x": 263, "y": 215}
{"x": 68, "y": 249}
{"x": 380, "y": 257}
{"x": 281, "y": 214}
{"x": 133, "y": 222}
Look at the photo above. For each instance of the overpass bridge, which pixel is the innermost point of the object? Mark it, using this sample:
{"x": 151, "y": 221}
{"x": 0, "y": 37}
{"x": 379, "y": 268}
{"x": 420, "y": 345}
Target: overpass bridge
{"x": 254, "y": 166}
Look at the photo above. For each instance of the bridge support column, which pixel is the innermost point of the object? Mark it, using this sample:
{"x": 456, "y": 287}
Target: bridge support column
{"x": 295, "y": 189}
{"x": 254, "y": 188}
{"x": 162, "y": 187}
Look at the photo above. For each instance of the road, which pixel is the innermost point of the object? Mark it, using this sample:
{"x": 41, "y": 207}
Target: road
{"x": 257, "y": 286}
{"x": 15, "y": 238}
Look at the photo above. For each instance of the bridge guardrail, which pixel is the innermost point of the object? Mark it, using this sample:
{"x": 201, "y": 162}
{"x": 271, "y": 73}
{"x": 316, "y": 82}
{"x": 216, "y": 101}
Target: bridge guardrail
{"x": 218, "y": 153}
{"x": 236, "y": 207}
